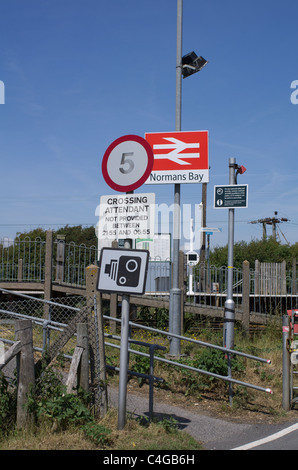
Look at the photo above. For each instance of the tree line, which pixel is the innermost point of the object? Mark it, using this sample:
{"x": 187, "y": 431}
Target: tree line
{"x": 76, "y": 234}
{"x": 268, "y": 250}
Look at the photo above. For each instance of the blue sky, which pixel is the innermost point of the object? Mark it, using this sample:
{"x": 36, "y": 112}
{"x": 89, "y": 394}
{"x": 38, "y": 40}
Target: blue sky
{"x": 79, "y": 74}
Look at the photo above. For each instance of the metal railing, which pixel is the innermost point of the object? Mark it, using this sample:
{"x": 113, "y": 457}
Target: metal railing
{"x": 49, "y": 323}
{"x": 270, "y": 293}
{"x": 24, "y": 260}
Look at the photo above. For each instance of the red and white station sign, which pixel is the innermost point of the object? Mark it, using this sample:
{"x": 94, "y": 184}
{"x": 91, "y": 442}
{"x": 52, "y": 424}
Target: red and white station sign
{"x": 179, "y": 157}
{"x": 127, "y": 163}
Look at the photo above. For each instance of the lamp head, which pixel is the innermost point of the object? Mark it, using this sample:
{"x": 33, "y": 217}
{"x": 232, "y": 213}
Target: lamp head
{"x": 191, "y": 64}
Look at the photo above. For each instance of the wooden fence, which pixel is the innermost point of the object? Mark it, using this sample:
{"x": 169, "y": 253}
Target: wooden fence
{"x": 270, "y": 278}
{"x": 23, "y": 350}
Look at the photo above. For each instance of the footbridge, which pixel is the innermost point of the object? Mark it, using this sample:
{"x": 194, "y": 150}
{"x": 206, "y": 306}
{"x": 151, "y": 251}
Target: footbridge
{"x": 52, "y": 268}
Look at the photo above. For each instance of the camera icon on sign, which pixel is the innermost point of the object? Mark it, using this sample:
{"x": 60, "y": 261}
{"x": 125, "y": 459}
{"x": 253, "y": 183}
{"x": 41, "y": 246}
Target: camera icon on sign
{"x": 125, "y": 271}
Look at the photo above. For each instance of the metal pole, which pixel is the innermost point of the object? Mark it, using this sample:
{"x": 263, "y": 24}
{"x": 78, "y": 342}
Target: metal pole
{"x": 175, "y": 292}
{"x": 125, "y": 307}
{"x": 229, "y": 304}
{"x": 123, "y": 362}
{"x": 285, "y": 363}
{"x": 208, "y": 264}
{"x": 151, "y": 381}
{"x": 229, "y": 320}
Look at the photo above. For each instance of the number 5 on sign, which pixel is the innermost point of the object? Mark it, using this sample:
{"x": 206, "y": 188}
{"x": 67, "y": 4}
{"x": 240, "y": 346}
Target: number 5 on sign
{"x": 127, "y": 163}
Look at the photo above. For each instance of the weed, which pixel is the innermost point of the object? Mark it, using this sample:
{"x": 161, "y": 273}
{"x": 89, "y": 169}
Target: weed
{"x": 97, "y": 433}
{"x": 142, "y": 366}
{"x": 170, "y": 425}
{"x": 8, "y": 399}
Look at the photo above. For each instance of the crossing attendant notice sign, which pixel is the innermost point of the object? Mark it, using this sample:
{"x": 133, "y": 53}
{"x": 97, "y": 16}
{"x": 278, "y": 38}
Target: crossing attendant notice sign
{"x": 179, "y": 157}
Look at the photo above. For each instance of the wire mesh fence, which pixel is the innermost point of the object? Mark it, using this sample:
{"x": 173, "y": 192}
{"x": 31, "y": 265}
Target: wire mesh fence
{"x": 54, "y": 332}
{"x": 272, "y": 288}
{"x": 25, "y": 258}
{"x": 25, "y": 261}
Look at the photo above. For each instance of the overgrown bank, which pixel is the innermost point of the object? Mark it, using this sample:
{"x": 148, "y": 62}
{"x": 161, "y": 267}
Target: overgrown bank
{"x": 66, "y": 421}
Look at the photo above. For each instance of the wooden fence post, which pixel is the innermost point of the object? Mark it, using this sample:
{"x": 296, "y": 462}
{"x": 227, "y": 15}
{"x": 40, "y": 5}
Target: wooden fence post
{"x": 83, "y": 342}
{"x": 20, "y": 270}
{"x": 25, "y": 370}
{"x": 294, "y": 290}
{"x": 245, "y": 297}
{"x": 79, "y": 368}
{"x": 257, "y": 278}
{"x": 60, "y": 258}
{"x": 97, "y": 341}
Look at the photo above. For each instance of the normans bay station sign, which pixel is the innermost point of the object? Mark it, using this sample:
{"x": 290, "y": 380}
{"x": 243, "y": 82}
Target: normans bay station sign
{"x": 126, "y": 216}
{"x": 179, "y": 157}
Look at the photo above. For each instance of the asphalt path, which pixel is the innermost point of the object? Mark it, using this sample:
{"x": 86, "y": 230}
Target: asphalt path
{"x": 214, "y": 433}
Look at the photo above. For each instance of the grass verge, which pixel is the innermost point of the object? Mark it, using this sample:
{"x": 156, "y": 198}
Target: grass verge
{"x": 136, "y": 436}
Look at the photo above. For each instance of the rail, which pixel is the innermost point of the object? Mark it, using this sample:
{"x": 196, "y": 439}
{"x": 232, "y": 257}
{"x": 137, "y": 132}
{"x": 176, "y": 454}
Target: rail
{"x": 60, "y": 266}
{"x": 49, "y": 323}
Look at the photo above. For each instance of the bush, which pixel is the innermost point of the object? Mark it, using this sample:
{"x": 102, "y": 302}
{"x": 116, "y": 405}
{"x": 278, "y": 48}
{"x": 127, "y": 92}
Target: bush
{"x": 65, "y": 410}
{"x": 50, "y": 402}
{"x": 209, "y": 360}
{"x": 97, "y": 433}
{"x": 8, "y": 400}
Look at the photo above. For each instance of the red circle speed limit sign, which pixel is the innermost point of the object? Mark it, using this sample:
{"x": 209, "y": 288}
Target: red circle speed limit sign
{"x": 127, "y": 163}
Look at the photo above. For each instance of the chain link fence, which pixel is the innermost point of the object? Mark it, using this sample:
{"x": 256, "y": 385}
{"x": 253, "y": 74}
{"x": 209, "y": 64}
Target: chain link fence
{"x": 54, "y": 333}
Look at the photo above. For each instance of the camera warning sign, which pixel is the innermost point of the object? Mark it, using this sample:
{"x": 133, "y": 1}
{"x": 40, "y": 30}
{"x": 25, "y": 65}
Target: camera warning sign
{"x": 122, "y": 271}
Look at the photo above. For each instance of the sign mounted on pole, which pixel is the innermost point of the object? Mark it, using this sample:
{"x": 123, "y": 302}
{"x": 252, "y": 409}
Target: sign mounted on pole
{"x": 232, "y": 196}
{"x": 123, "y": 271}
{"x": 127, "y": 163}
{"x": 126, "y": 216}
{"x": 179, "y": 157}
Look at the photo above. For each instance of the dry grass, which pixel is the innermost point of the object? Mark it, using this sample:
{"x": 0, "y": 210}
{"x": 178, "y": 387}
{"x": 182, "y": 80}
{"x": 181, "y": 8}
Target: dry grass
{"x": 249, "y": 405}
{"x": 135, "y": 436}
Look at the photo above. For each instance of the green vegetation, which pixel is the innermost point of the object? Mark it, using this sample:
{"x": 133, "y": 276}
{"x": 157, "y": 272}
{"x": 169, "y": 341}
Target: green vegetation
{"x": 267, "y": 250}
{"x": 263, "y": 250}
{"x": 186, "y": 386}
{"x": 76, "y": 234}
{"x": 66, "y": 421}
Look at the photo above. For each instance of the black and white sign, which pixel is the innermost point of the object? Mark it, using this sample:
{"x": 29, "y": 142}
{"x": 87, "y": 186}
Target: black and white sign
{"x": 126, "y": 216}
{"x": 123, "y": 271}
{"x": 232, "y": 196}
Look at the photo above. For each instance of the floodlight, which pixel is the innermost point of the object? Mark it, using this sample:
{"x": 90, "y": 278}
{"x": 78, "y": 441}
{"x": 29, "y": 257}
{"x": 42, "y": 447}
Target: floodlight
{"x": 191, "y": 64}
